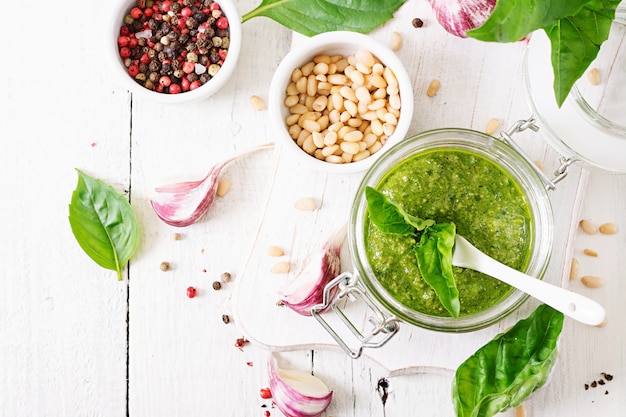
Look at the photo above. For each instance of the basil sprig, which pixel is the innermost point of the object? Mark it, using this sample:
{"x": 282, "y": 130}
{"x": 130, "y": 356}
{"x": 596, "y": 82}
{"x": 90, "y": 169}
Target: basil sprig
{"x": 576, "y": 29}
{"x": 502, "y": 373}
{"x": 314, "y": 17}
{"x": 433, "y": 248}
{"x": 103, "y": 223}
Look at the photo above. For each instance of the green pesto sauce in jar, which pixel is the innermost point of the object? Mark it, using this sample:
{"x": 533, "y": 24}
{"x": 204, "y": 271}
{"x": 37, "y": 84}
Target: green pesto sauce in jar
{"x": 486, "y": 204}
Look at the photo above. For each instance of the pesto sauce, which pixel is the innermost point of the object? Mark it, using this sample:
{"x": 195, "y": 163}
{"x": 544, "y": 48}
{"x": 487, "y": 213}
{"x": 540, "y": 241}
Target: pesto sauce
{"x": 486, "y": 204}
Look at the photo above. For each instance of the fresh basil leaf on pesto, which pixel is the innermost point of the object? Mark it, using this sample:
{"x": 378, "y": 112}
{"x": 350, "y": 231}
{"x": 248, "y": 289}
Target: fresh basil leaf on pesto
{"x": 502, "y": 373}
{"x": 103, "y": 223}
{"x": 434, "y": 259}
{"x": 391, "y": 218}
{"x": 433, "y": 250}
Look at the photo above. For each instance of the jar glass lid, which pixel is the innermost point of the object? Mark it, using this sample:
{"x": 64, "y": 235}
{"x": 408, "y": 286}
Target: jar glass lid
{"x": 590, "y": 126}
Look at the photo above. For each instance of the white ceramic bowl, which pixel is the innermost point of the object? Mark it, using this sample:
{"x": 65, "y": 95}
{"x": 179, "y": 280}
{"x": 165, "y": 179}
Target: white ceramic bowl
{"x": 206, "y": 90}
{"x": 335, "y": 43}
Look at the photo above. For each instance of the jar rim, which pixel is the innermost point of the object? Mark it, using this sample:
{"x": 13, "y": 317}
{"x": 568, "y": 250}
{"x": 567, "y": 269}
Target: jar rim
{"x": 494, "y": 150}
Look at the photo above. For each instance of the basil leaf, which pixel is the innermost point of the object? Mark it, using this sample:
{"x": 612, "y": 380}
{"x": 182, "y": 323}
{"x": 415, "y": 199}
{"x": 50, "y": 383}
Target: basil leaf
{"x": 502, "y": 373}
{"x": 391, "y": 218}
{"x": 576, "y": 29}
{"x": 434, "y": 259}
{"x": 576, "y": 41}
{"x": 103, "y": 223}
{"x": 312, "y": 17}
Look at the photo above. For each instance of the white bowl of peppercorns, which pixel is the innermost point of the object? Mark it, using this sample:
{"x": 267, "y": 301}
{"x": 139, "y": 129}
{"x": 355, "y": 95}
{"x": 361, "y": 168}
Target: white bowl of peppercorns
{"x": 338, "y": 100}
{"x": 176, "y": 51}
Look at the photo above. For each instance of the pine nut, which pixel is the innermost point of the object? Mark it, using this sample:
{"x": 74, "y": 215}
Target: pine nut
{"x": 350, "y": 107}
{"x": 608, "y": 229}
{"x": 311, "y": 125}
{"x": 320, "y": 68}
{"x": 280, "y": 268}
{"x": 520, "y": 411}
{"x": 334, "y": 159}
{"x": 365, "y": 57}
{"x": 593, "y": 76}
{"x": 592, "y": 282}
{"x": 353, "y": 136}
{"x": 292, "y": 100}
{"x": 433, "y": 87}
{"x": 296, "y": 74}
{"x": 396, "y": 41}
{"x": 573, "y": 270}
{"x": 350, "y": 147}
{"x": 275, "y": 251}
{"x": 305, "y": 204}
{"x": 588, "y": 227}
{"x": 258, "y": 103}
{"x": 331, "y": 138}
{"x": 390, "y": 78}
{"x": 223, "y": 187}
{"x": 329, "y": 150}
{"x": 590, "y": 252}
{"x": 322, "y": 58}
{"x": 307, "y": 68}
{"x": 320, "y": 103}
{"x": 492, "y": 126}
{"x": 308, "y": 145}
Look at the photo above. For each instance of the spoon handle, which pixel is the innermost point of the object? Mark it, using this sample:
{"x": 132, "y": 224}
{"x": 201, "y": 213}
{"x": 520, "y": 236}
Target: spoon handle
{"x": 576, "y": 306}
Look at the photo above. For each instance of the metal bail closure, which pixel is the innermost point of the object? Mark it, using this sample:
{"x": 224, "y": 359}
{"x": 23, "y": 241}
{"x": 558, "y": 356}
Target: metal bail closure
{"x": 520, "y": 126}
{"x": 382, "y": 327}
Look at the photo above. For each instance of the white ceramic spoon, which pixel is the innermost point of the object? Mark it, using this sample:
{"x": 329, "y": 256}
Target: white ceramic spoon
{"x": 574, "y": 305}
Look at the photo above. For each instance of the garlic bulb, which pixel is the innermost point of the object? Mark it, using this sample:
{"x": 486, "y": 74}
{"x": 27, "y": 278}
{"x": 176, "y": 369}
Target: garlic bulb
{"x": 459, "y": 16}
{"x": 296, "y": 392}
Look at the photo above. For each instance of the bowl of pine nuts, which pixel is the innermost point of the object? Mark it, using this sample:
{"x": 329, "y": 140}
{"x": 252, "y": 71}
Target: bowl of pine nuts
{"x": 339, "y": 100}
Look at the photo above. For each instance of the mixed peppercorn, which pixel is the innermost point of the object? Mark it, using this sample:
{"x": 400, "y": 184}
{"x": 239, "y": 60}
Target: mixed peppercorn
{"x": 174, "y": 46}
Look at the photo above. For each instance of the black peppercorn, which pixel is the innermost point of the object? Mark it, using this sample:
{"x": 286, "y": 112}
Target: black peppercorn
{"x": 417, "y": 22}
{"x": 217, "y": 285}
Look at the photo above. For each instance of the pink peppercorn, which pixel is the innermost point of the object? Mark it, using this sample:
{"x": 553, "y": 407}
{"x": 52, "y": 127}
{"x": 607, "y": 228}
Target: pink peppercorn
{"x": 188, "y": 67}
{"x": 136, "y": 12}
{"x": 174, "y": 89}
{"x": 195, "y": 84}
{"x": 265, "y": 393}
{"x": 222, "y": 53}
{"x": 145, "y": 59}
{"x": 165, "y": 81}
{"x": 191, "y": 292}
{"x": 185, "y": 11}
{"x": 185, "y": 84}
{"x": 222, "y": 22}
{"x": 133, "y": 70}
{"x": 214, "y": 6}
{"x": 122, "y": 41}
{"x": 125, "y": 52}
{"x": 148, "y": 12}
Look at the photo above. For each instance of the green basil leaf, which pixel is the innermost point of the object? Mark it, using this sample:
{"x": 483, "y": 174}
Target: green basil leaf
{"x": 103, "y": 223}
{"x": 576, "y": 28}
{"x": 391, "y": 218}
{"x": 312, "y": 17}
{"x": 502, "y": 373}
{"x": 434, "y": 259}
{"x": 512, "y": 20}
{"x": 575, "y": 43}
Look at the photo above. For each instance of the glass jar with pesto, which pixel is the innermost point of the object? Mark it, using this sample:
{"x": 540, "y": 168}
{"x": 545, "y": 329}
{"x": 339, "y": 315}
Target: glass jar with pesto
{"x": 492, "y": 193}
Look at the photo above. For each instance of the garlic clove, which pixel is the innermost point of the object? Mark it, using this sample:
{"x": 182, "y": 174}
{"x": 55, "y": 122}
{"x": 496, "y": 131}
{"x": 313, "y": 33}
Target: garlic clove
{"x": 459, "y": 16}
{"x": 296, "y": 392}
{"x": 307, "y": 288}
{"x": 184, "y": 203}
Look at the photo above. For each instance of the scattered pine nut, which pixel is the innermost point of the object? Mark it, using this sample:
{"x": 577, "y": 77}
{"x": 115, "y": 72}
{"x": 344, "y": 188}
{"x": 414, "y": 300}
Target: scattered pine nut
{"x": 590, "y": 252}
{"x": 306, "y": 204}
{"x": 280, "y": 268}
{"x": 275, "y": 251}
{"x": 223, "y": 187}
{"x": 608, "y": 229}
{"x": 588, "y": 227}
{"x": 177, "y": 236}
{"x": 592, "y": 282}
{"x": 257, "y": 103}
{"x": 492, "y": 125}
{"x": 433, "y": 87}
{"x": 520, "y": 411}
{"x": 573, "y": 271}
{"x": 396, "y": 41}
{"x": 593, "y": 76}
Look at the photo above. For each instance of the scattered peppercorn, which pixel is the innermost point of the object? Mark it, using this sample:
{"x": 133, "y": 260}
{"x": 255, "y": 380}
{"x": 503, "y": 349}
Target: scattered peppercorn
{"x": 225, "y": 318}
{"x": 382, "y": 387}
{"x": 217, "y": 285}
{"x": 265, "y": 393}
{"x": 417, "y": 22}
{"x": 241, "y": 342}
{"x": 191, "y": 292}
{"x": 226, "y": 277}
{"x": 165, "y": 266}
{"x": 606, "y": 376}
{"x": 175, "y": 40}
{"x": 267, "y": 413}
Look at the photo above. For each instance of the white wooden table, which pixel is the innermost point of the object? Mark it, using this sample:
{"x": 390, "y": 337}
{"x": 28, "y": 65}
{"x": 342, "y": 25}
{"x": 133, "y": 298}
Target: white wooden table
{"x": 76, "y": 342}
